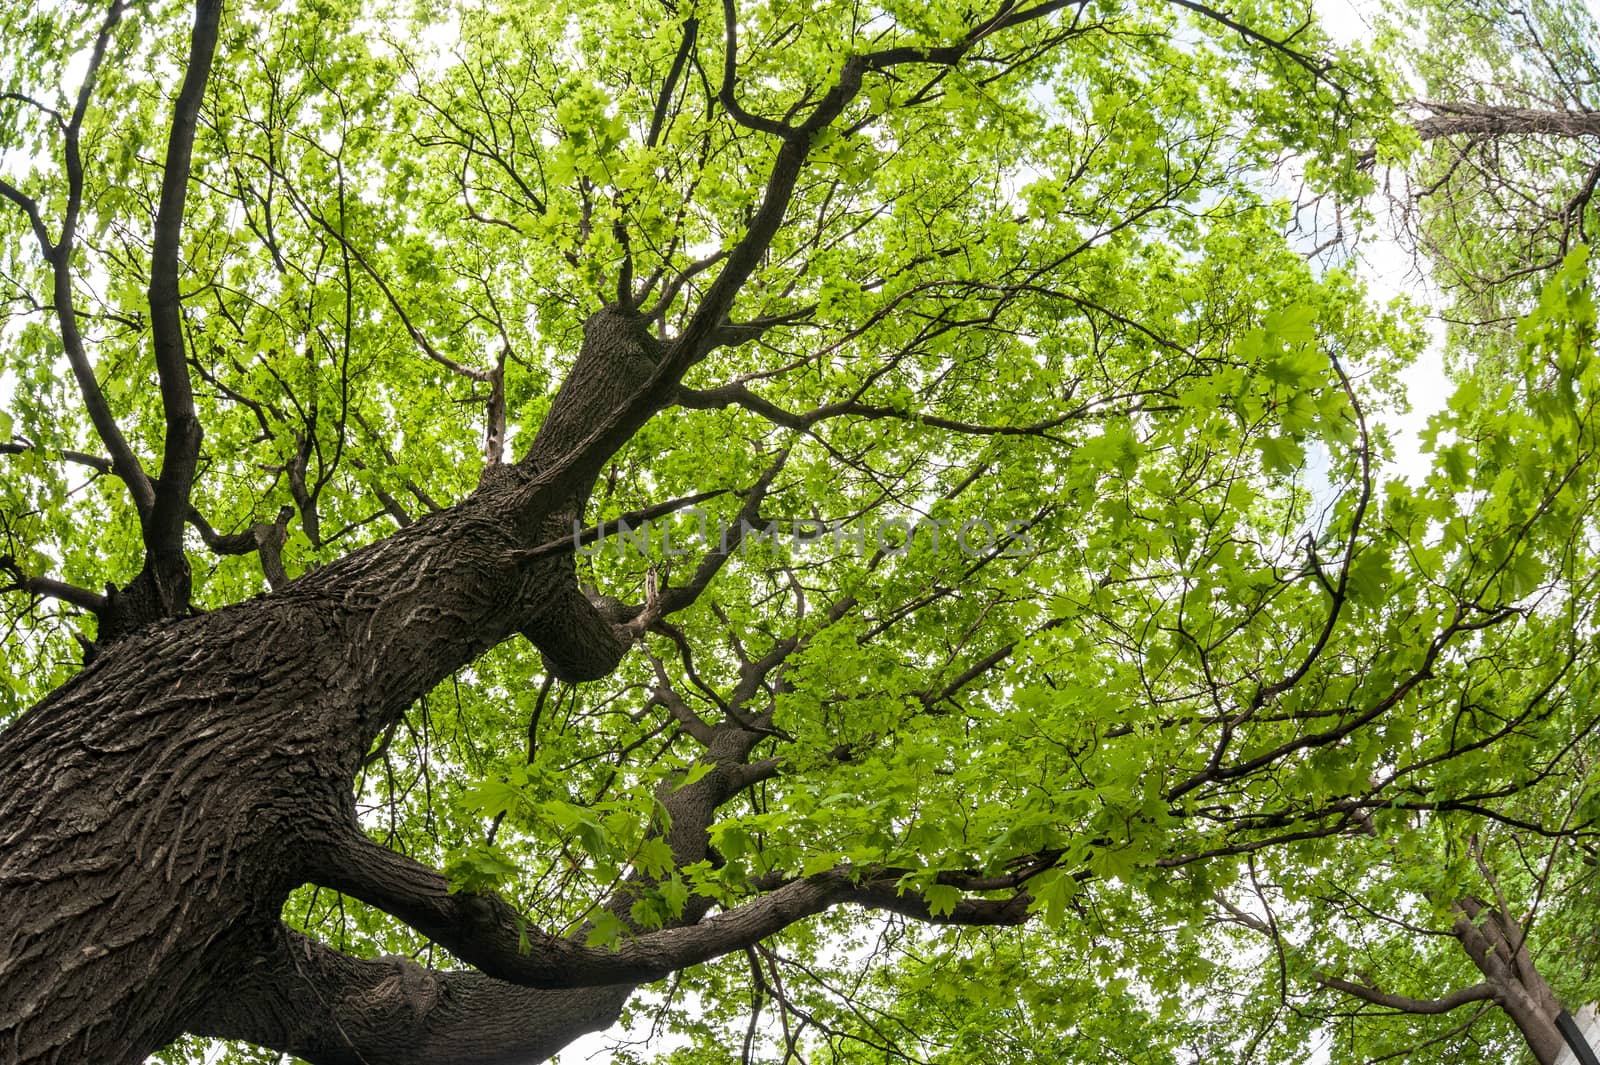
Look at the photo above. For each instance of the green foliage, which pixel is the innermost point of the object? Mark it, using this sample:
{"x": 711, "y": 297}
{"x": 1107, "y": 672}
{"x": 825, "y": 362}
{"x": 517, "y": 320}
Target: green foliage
{"x": 1113, "y": 582}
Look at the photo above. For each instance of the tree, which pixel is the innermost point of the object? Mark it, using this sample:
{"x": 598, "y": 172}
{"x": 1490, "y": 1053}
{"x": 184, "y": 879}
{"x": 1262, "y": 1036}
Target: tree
{"x": 1503, "y": 95}
{"x": 963, "y": 352}
{"x": 1460, "y": 941}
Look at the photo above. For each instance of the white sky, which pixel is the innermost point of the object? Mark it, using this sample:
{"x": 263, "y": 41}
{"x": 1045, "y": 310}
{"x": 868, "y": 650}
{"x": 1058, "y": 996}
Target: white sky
{"x": 1389, "y": 271}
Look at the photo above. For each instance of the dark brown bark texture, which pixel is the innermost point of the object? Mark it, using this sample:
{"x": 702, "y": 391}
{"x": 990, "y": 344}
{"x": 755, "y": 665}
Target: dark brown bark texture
{"x": 156, "y": 810}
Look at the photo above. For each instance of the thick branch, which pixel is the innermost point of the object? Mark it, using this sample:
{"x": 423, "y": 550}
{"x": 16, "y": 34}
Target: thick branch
{"x": 49, "y": 587}
{"x": 163, "y": 528}
{"x": 306, "y": 999}
{"x": 488, "y": 933}
{"x": 94, "y": 462}
{"x": 691, "y": 33}
{"x": 29, "y": 207}
{"x": 123, "y": 460}
{"x": 59, "y": 256}
{"x": 1494, "y": 120}
{"x": 1402, "y": 1004}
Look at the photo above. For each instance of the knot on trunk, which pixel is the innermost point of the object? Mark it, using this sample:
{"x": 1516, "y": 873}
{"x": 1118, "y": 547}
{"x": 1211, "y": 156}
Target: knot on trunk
{"x": 144, "y": 601}
{"x": 407, "y": 987}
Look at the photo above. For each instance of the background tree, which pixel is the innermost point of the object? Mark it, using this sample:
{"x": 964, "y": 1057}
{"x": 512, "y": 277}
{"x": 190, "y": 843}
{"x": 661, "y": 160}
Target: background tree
{"x": 1504, "y": 98}
{"x": 1465, "y": 944}
{"x": 1498, "y": 200}
{"x": 1010, "y": 271}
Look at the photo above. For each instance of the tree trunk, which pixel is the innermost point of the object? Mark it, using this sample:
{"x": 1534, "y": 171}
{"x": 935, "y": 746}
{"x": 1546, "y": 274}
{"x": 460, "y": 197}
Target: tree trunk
{"x": 1495, "y": 941}
{"x": 156, "y": 810}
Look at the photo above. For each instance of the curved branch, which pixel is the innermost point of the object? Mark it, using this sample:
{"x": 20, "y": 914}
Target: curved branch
{"x": 94, "y": 462}
{"x": 658, "y": 120}
{"x": 29, "y": 207}
{"x": 1317, "y": 69}
{"x": 726, "y": 95}
{"x": 1402, "y": 1004}
{"x": 59, "y": 257}
{"x": 700, "y": 335}
{"x": 738, "y": 394}
{"x": 488, "y": 933}
{"x": 74, "y": 129}
{"x": 50, "y": 588}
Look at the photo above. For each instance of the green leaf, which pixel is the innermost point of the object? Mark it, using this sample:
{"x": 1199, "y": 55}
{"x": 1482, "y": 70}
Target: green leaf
{"x": 606, "y": 930}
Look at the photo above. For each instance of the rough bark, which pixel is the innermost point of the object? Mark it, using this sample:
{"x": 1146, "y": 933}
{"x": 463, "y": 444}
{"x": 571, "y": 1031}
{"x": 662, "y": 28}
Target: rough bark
{"x": 1496, "y": 120}
{"x": 157, "y": 809}
{"x": 295, "y": 995}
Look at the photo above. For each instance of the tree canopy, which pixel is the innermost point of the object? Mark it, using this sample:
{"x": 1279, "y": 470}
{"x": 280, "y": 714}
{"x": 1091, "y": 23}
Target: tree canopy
{"x": 842, "y": 533}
